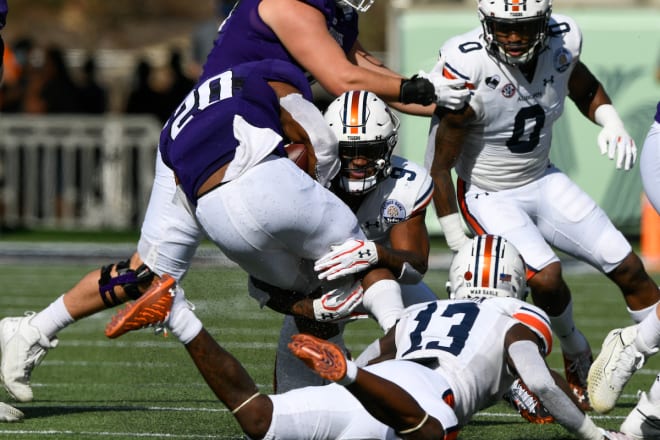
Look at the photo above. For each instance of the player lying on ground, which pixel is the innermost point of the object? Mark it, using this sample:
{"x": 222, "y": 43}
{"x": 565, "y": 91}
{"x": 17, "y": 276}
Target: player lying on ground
{"x": 449, "y": 359}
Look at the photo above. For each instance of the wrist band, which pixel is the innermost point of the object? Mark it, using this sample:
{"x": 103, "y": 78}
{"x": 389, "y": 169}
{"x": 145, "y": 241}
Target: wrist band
{"x": 249, "y": 399}
{"x": 351, "y": 374}
{"x": 416, "y": 428}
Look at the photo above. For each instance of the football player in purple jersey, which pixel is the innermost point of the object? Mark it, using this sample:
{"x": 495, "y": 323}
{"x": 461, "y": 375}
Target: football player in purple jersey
{"x": 312, "y": 35}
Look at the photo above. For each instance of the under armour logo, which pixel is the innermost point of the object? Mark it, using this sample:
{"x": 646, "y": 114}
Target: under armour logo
{"x": 550, "y": 80}
{"x": 363, "y": 254}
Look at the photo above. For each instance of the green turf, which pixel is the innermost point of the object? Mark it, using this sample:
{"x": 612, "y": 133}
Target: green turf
{"x": 141, "y": 385}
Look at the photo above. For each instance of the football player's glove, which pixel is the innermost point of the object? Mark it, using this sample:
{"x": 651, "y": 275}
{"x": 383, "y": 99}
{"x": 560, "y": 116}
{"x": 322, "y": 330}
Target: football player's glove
{"x": 613, "y": 139}
{"x": 348, "y": 258}
{"x": 338, "y": 304}
{"x": 417, "y": 90}
{"x": 527, "y": 404}
{"x": 450, "y": 93}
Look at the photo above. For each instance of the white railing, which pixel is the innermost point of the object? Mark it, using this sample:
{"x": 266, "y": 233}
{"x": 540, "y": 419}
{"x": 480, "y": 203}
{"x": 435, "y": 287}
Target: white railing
{"x": 76, "y": 171}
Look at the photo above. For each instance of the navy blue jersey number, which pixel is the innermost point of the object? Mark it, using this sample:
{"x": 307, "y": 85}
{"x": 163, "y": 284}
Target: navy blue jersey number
{"x": 457, "y": 332}
{"x": 516, "y": 143}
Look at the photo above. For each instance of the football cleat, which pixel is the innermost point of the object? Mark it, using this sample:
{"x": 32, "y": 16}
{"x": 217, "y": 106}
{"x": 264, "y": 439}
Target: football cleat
{"x": 151, "y": 309}
{"x": 576, "y": 368}
{"x": 23, "y": 347}
{"x": 527, "y": 404}
{"x": 644, "y": 420}
{"x": 617, "y": 361}
{"x": 10, "y": 414}
{"x": 320, "y": 355}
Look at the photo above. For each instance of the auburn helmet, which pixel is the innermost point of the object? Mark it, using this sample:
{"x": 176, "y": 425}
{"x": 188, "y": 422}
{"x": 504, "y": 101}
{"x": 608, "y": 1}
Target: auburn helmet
{"x": 486, "y": 266}
{"x": 528, "y": 18}
{"x": 367, "y": 131}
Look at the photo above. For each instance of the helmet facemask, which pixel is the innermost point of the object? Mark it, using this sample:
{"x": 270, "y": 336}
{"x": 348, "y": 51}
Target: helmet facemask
{"x": 364, "y": 164}
{"x": 527, "y": 20}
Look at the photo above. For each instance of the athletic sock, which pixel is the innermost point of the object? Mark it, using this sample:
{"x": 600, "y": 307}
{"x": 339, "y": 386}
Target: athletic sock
{"x": 639, "y": 315}
{"x": 53, "y": 318}
{"x": 648, "y": 335}
{"x": 182, "y": 321}
{"x": 572, "y": 341}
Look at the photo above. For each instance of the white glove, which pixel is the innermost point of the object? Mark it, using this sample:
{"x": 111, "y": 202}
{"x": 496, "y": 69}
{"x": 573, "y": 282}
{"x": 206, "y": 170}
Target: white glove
{"x": 450, "y": 93}
{"x": 614, "y": 139}
{"x": 338, "y": 303}
{"x": 348, "y": 258}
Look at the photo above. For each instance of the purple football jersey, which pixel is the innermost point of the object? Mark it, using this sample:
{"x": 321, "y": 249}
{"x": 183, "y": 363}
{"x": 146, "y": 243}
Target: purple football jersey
{"x": 199, "y": 137}
{"x": 244, "y": 37}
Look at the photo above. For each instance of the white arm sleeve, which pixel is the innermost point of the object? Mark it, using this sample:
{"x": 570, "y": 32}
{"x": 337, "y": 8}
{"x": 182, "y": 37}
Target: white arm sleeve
{"x": 322, "y": 138}
{"x": 535, "y": 374}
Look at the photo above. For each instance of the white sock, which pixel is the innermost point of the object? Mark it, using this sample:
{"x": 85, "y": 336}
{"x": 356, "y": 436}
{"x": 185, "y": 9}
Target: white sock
{"x": 383, "y": 301}
{"x": 639, "y": 315}
{"x": 182, "y": 322}
{"x": 654, "y": 392}
{"x": 648, "y": 335}
{"x": 572, "y": 341}
{"x": 53, "y": 318}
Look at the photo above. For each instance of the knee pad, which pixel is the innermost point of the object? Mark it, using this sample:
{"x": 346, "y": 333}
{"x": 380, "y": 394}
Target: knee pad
{"x": 127, "y": 278}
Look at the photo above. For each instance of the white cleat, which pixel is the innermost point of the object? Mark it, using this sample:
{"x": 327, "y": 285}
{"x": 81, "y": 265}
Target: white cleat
{"x": 643, "y": 422}
{"x": 10, "y": 414}
{"x": 617, "y": 361}
{"x": 23, "y": 347}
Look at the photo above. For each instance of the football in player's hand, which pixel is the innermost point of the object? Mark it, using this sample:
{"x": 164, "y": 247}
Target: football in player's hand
{"x": 298, "y": 154}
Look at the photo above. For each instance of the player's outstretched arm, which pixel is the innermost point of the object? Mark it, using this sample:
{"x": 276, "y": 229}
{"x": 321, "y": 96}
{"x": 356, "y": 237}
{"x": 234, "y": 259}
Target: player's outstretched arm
{"x": 524, "y": 350}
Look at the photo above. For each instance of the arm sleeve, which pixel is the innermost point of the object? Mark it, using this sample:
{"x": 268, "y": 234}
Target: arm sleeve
{"x": 535, "y": 374}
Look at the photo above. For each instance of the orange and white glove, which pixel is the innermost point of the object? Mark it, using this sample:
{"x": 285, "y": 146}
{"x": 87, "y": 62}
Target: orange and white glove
{"x": 338, "y": 304}
{"x": 348, "y": 258}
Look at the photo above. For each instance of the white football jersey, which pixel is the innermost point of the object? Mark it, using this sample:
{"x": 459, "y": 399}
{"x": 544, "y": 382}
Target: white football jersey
{"x": 508, "y": 144}
{"x": 467, "y": 339}
{"x": 407, "y": 191}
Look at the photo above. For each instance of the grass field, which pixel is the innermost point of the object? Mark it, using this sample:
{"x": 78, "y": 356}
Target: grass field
{"x": 145, "y": 386}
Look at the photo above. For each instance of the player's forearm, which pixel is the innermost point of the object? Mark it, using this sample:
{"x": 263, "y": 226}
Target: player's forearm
{"x": 394, "y": 260}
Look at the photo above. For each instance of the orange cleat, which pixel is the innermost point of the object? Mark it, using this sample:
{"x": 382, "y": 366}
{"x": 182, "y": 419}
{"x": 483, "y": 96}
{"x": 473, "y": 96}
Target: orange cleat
{"x": 151, "y": 309}
{"x": 320, "y": 355}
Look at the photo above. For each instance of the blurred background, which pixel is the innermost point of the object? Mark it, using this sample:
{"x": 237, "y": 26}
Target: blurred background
{"x": 88, "y": 84}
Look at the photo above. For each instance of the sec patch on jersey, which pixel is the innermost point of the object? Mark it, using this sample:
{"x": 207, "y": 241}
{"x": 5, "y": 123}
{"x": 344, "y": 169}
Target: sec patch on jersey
{"x": 298, "y": 154}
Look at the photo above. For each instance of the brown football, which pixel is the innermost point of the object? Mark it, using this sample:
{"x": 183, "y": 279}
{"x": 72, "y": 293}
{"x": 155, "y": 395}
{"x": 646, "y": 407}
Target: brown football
{"x": 298, "y": 154}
